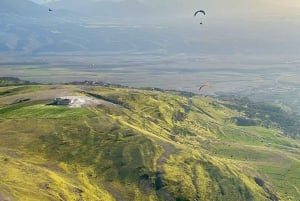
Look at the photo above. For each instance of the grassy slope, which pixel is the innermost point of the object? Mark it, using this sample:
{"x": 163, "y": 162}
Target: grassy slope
{"x": 148, "y": 146}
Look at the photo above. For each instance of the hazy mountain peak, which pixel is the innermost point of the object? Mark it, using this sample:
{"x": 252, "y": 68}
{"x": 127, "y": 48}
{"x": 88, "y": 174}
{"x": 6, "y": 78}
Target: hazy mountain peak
{"x": 21, "y": 7}
{"x": 125, "y": 8}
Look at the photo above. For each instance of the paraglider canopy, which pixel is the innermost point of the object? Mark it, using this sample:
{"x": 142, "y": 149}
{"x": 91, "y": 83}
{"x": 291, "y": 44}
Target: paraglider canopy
{"x": 200, "y": 11}
{"x": 203, "y": 85}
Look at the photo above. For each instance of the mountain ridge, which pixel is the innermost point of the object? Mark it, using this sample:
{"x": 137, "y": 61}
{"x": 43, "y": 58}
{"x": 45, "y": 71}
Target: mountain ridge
{"x": 22, "y": 8}
{"x": 116, "y": 9}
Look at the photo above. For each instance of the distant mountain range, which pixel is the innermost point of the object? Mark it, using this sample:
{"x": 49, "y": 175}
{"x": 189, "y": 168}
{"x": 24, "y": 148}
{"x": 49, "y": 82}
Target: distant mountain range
{"x": 127, "y": 8}
{"x": 134, "y": 26}
{"x": 21, "y": 8}
{"x": 29, "y": 28}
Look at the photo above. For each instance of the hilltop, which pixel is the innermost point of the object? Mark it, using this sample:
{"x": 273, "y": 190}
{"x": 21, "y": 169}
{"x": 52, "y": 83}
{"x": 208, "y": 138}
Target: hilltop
{"x": 13, "y": 81}
{"x": 138, "y": 144}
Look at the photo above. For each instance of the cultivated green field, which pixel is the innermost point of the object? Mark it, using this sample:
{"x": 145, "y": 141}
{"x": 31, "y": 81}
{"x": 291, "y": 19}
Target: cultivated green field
{"x": 142, "y": 145}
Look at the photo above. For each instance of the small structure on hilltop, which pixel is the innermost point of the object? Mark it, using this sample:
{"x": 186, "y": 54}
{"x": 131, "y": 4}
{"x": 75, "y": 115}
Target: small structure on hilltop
{"x": 61, "y": 101}
{"x": 76, "y": 101}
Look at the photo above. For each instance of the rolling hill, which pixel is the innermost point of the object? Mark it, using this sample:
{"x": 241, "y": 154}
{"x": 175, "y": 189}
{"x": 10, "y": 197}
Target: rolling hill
{"x": 140, "y": 145}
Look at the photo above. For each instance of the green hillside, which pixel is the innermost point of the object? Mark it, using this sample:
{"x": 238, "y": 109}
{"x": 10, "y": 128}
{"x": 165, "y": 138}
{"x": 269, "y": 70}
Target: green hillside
{"x": 133, "y": 144}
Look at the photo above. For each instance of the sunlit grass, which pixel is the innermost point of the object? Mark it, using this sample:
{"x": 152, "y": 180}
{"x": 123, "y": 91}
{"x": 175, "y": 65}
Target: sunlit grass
{"x": 43, "y": 111}
{"x": 144, "y": 145}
